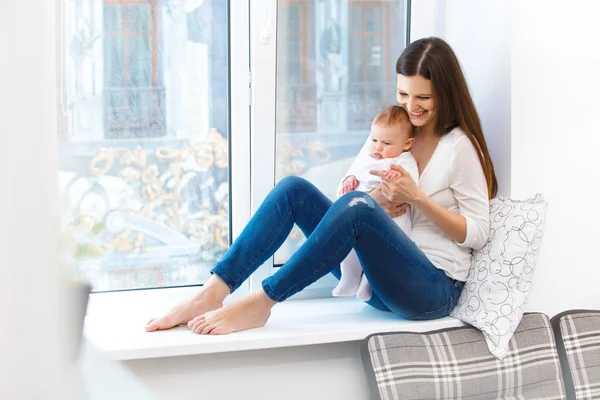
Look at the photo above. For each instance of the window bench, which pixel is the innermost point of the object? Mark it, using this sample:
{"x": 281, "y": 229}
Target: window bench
{"x": 120, "y": 334}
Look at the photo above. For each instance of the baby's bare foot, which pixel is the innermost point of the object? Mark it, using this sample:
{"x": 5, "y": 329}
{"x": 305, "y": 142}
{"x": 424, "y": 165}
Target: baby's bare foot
{"x": 247, "y": 313}
{"x": 210, "y": 297}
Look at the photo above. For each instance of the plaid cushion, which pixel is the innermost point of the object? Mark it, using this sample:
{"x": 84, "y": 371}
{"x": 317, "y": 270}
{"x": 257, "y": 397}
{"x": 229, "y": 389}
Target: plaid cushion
{"x": 578, "y": 342}
{"x": 456, "y": 363}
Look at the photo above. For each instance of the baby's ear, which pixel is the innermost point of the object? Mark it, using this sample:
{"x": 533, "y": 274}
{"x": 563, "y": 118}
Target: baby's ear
{"x": 409, "y": 144}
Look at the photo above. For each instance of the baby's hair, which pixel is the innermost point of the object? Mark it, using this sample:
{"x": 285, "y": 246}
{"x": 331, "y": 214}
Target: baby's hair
{"x": 393, "y": 115}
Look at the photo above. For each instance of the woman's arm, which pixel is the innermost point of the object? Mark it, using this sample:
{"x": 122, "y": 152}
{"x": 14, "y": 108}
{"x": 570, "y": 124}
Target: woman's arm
{"x": 468, "y": 183}
{"x": 453, "y": 225}
{"x": 405, "y": 190}
{"x": 391, "y": 208}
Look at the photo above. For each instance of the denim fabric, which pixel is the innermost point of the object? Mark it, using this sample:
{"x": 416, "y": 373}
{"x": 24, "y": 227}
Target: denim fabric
{"x": 403, "y": 279}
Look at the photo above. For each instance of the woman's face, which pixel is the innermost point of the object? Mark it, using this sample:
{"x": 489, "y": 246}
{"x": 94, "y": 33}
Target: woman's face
{"x": 415, "y": 94}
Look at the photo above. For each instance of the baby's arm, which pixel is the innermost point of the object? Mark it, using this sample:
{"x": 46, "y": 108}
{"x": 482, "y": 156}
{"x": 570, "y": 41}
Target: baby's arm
{"x": 358, "y": 165}
{"x": 406, "y": 161}
{"x": 349, "y": 184}
{"x": 385, "y": 165}
{"x": 391, "y": 174}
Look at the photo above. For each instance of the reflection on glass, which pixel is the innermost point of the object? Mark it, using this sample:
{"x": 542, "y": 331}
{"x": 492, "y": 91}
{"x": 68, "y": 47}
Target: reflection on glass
{"x": 335, "y": 70}
{"x": 144, "y": 141}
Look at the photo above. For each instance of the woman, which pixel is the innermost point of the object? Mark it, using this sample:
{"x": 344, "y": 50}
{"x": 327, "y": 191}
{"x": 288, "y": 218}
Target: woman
{"x": 416, "y": 278}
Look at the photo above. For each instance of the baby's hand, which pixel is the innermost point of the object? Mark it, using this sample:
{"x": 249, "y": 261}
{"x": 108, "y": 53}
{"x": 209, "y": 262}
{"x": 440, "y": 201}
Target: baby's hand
{"x": 391, "y": 175}
{"x": 349, "y": 184}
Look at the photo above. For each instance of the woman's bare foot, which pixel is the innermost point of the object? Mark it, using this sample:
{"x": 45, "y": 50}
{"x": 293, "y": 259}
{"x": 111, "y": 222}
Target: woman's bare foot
{"x": 210, "y": 297}
{"x": 250, "y": 312}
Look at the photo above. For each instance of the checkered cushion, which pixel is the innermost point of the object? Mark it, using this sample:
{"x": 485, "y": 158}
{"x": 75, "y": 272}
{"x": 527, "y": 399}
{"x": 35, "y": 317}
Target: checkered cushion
{"x": 456, "y": 363}
{"x": 578, "y": 342}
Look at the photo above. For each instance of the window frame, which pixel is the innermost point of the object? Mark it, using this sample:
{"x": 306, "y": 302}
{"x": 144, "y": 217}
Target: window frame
{"x": 240, "y": 100}
{"x": 252, "y": 140}
{"x": 238, "y": 120}
{"x": 263, "y": 129}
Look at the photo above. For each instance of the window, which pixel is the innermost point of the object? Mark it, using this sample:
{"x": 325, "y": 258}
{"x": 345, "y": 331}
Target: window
{"x": 296, "y": 96}
{"x": 164, "y": 152}
{"x": 370, "y": 60}
{"x": 134, "y": 97}
{"x": 346, "y": 51}
{"x": 144, "y": 141}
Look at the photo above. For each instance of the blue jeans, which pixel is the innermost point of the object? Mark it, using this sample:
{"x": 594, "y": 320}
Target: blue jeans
{"x": 403, "y": 279}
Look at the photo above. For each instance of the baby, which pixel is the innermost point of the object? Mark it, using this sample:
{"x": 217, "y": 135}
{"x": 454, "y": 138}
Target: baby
{"x": 391, "y": 138}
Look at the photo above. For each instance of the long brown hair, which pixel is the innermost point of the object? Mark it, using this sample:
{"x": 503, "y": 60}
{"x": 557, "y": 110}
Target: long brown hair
{"x": 433, "y": 59}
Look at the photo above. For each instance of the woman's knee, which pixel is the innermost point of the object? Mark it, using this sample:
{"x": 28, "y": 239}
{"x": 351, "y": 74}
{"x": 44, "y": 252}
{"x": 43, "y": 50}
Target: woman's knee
{"x": 355, "y": 206}
{"x": 356, "y": 201}
{"x": 294, "y": 187}
{"x": 292, "y": 182}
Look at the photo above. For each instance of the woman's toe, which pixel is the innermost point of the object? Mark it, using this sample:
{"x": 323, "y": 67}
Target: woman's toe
{"x": 207, "y": 329}
{"x": 194, "y": 321}
{"x": 197, "y": 324}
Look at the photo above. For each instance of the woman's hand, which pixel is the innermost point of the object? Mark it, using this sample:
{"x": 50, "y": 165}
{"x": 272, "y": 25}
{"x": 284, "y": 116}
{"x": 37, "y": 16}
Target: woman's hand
{"x": 392, "y": 209}
{"x": 400, "y": 190}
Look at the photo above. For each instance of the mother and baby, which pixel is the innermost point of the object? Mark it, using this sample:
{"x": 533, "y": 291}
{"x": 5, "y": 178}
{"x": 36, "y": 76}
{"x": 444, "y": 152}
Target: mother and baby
{"x": 402, "y": 248}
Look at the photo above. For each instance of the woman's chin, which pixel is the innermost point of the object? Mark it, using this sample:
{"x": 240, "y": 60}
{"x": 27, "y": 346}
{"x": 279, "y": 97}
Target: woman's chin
{"x": 418, "y": 121}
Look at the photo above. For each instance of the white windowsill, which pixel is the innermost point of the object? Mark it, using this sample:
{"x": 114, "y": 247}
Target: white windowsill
{"x": 292, "y": 323}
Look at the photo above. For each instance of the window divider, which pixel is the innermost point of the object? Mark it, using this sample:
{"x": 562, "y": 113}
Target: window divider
{"x": 263, "y": 52}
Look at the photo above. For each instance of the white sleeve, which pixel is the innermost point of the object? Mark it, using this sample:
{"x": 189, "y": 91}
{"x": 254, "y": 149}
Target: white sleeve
{"x": 467, "y": 180}
{"x": 358, "y": 165}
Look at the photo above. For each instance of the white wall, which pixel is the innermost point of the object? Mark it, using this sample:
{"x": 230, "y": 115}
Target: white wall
{"x": 329, "y": 372}
{"x": 556, "y": 143}
{"x": 479, "y": 33}
{"x": 30, "y": 328}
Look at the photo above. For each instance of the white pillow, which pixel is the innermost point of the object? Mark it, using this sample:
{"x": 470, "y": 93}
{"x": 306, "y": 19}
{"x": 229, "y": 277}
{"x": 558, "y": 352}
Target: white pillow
{"x": 501, "y": 272}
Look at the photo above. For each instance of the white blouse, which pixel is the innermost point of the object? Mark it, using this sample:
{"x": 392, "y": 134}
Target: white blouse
{"x": 454, "y": 179}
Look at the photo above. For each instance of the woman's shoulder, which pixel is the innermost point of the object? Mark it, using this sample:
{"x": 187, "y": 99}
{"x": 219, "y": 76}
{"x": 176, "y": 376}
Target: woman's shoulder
{"x": 453, "y": 137}
{"x": 458, "y": 142}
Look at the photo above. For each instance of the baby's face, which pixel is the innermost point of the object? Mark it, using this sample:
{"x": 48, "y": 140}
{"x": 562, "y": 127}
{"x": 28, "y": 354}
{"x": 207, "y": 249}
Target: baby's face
{"x": 389, "y": 141}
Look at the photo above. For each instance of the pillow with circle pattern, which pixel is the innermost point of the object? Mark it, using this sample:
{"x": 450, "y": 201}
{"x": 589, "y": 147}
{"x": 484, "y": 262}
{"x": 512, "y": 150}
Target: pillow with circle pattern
{"x": 501, "y": 272}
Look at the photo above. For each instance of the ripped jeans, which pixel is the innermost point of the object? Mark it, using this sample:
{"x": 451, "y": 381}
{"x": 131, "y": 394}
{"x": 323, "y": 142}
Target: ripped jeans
{"x": 403, "y": 279}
